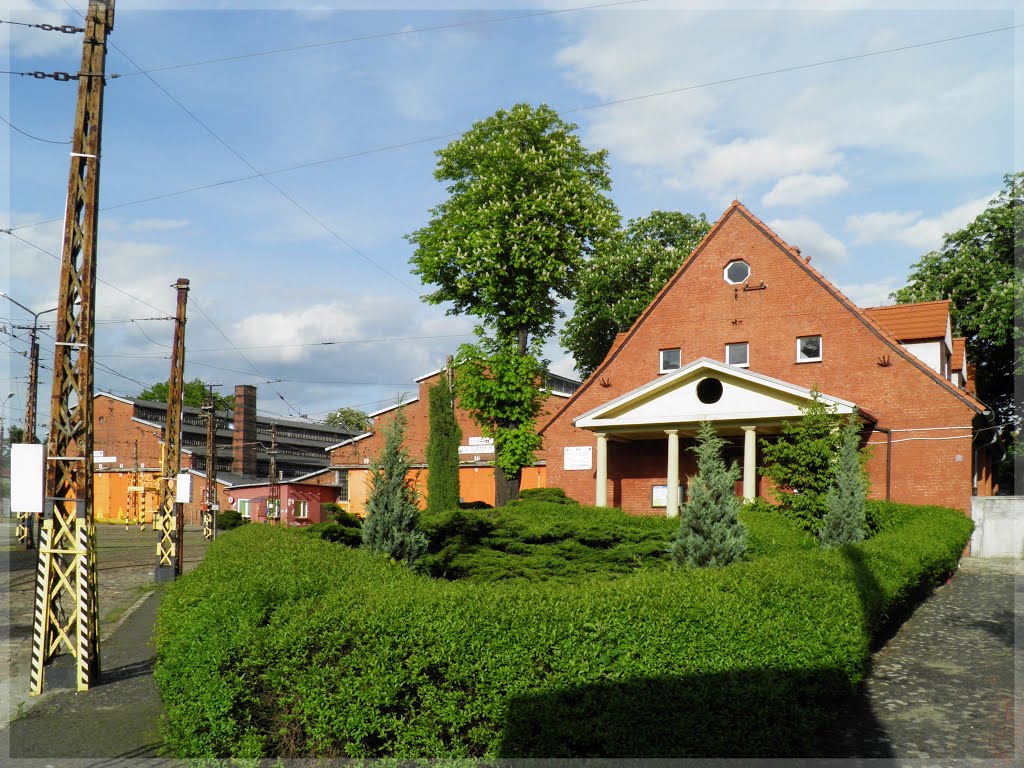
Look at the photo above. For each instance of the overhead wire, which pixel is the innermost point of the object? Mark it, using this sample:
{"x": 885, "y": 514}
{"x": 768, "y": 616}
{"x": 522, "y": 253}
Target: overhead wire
{"x": 597, "y": 105}
{"x": 12, "y": 126}
{"x": 380, "y": 35}
{"x": 256, "y": 171}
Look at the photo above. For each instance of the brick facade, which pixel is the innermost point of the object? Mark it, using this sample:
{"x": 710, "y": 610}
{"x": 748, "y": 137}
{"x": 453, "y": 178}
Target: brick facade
{"x": 476, "y": 475}
{"x": 699, "y": 312}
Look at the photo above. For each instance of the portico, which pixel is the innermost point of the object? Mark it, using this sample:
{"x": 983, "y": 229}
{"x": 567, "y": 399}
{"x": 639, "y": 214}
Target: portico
{"x": 739, "y": 403}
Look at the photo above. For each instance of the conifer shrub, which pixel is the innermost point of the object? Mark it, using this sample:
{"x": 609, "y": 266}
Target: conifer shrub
{"x": 548, "y": 495}
{"x": 442, "y": 447}
{"x": 335, "y": 532}
{"x": 392, "y": 519}
{"x": 279, "y": 645}
{"x": 228, "y": 519}
{"x": 710, "y": 532}
{"x": 844, "y": 520}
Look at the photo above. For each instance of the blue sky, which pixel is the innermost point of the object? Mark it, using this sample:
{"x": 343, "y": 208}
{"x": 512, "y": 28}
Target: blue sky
{"x": 863, "y": 164}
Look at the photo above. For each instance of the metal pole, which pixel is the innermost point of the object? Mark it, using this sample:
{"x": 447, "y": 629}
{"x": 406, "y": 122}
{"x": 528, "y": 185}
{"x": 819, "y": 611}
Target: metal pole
{"x": 66, "y": 612}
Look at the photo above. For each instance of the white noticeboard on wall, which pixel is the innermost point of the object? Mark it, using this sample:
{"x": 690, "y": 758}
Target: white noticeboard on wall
{"x": 28, "y": 477}
{"x": 578, "y": 457}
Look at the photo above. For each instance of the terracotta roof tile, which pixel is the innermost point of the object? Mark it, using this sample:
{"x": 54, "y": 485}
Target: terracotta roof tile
{"x": 924, "y": 320}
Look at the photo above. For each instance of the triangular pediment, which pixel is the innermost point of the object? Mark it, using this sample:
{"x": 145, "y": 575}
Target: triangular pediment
{"x": 705, "y": 390}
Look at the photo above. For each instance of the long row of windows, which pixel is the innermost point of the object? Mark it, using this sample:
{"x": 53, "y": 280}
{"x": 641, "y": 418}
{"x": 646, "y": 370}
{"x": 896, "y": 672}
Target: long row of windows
{"x": 808, "y": 350}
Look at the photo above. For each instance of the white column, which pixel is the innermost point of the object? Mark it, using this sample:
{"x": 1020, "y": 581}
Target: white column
{"x": 749, "y": 463}
{"x": 673, "y": 473}
{"x": 601, "y": 495}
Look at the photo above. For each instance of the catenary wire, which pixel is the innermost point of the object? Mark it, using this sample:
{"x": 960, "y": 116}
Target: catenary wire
{"x": 379, "y": 36}
{"x": 258, "y": 173}
{"x": 599, "y": 105}
{"x": 12, "y": 126}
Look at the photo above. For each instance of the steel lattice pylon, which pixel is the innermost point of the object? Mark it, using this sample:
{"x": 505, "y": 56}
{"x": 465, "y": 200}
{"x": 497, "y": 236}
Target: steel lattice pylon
{"x": 168, "y": 522}
{"x": 66, "y": 614}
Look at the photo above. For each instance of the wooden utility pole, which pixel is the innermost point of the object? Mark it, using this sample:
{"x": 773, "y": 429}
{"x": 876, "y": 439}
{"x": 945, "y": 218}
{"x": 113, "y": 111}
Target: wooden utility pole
{"x": 170, "y": 524}
{"x": 274, "y": 499}
{"x": 66, "y": 617}
{"x": 211, "y": 507}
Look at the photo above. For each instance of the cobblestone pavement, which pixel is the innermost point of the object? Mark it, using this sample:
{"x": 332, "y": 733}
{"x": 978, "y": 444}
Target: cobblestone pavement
{"x": 125, "y": 562}
{"x": 943, "y": 688}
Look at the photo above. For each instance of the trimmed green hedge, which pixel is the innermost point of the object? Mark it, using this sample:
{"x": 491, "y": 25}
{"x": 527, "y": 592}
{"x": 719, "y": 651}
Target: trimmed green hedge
{"x": 282, "y": 645}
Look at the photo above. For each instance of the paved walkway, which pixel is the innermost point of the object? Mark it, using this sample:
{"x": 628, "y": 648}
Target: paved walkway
{"x": 941, "y": 693}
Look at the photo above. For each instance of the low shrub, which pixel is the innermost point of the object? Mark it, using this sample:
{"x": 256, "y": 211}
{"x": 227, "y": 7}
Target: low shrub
{"x": 340, "y": 515}
{"x": 336, "y": 532}
{"x": 281, "y": 645}
{"x": 549, "y": 495}
{"x": 228, "y": 519}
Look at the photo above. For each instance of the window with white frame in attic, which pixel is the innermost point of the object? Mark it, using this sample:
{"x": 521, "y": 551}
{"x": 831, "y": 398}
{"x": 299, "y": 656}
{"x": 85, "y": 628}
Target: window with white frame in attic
{"x": 736, "y": 271}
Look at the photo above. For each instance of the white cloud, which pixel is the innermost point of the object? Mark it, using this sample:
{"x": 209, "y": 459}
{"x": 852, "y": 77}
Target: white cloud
{"x": 32, "y": 43}
{"x": 803, "y": 187}
{"x": 741, "y": 132}
{"x": 870, "y": 294}
{"x": 744, "y": 161}
{"x": 911, "y": 227}
{"x": 811, "y": 238}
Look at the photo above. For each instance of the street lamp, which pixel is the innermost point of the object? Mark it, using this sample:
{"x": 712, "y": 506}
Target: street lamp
{"x": 33, "y": 369}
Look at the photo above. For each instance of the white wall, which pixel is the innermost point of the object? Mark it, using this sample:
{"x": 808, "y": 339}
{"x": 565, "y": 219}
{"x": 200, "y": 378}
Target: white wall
{"x": 931, "y": 353}
{"x": 998, "y": 526}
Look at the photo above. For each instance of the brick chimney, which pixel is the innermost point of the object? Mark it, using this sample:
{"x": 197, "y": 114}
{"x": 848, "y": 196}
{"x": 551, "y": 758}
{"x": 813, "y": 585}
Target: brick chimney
{"x": 244, "y": 439}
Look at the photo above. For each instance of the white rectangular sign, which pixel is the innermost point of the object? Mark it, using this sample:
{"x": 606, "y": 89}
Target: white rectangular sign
{"x": 465, "y": 449}
{"x": 578, "y": 457}
{"x": 481, "y": 441}
{"x": 103, "y": 459}
{"x": 28, "y": 472}
{"x": 183, "y": 488}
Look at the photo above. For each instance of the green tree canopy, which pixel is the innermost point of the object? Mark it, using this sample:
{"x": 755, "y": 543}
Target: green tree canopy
{"x": 801, "y": 462}
{"x": 349, "y": 418}
{"x": 195, "y": 394}
{"x": 975, "y": 269}
{"x": 618, "y": 283}
{"x": 526, "y": 206}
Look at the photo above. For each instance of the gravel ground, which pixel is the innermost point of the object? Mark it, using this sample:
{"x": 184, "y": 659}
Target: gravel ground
{"x": 125, "y": 562}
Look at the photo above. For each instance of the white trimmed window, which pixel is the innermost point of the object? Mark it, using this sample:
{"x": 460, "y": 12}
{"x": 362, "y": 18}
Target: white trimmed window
{"x": 243, "y": 508}
{"x": 341, "y": 480}
{"x": 301, "y": 510}
{"x": 736, "y": 272}
{"x": 808, "y": 349}
{"x": 670, "y": 360}
{"x": 738, "y": 354}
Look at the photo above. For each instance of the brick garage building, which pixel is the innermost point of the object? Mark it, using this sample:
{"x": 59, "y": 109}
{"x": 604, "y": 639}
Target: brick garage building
{"x": 123, "y": 426}
{"x": 350, "y": 459}
{"x": 738, "y": 336}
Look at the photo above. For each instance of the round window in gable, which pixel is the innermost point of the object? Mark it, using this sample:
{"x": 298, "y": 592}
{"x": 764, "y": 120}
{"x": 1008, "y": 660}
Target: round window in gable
{"x": 709, "y": 391}
{"x": 737, "y": 272}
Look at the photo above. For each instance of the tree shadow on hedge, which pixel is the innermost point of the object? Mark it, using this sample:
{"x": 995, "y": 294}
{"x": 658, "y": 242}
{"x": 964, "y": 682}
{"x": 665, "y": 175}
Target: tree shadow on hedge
{"x": 752, "y": 713}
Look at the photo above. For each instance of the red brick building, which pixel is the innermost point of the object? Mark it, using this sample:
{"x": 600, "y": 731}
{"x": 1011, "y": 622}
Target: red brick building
{"x": 739, "y": 336}
{"x": 125, "y": 428}
{"x": 350, "y": 459}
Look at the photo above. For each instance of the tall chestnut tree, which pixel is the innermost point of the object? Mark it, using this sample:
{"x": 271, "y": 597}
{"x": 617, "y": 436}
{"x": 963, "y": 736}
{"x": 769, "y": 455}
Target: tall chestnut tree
{"x": 526, "y": 207}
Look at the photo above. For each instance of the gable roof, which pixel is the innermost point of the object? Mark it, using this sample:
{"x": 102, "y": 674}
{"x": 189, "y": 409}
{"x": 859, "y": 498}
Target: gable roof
{"x": 923, "y": 320}
{"x": 737, "y": 208}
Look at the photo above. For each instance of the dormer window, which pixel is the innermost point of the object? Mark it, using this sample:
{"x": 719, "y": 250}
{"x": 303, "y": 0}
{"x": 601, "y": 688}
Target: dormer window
{"x": 737, "y": 272}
